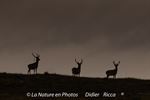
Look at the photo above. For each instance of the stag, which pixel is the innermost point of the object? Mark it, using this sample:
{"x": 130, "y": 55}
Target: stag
{"x": 76, "y": 71}
{"x": 34, "y": 65}
{"x": 113, "y": 72}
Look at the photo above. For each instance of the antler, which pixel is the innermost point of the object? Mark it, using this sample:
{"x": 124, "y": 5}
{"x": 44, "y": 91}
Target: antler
{"x": 37, "y": 55}
{"x": 114, "y": 62}
{"x": 33, "y": 55}
{"x": 81, "y": 61}
{"x": 76, "y": 60}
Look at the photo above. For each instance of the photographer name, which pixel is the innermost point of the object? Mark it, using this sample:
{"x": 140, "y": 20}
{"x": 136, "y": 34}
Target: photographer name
{"x": 104, "y": 94}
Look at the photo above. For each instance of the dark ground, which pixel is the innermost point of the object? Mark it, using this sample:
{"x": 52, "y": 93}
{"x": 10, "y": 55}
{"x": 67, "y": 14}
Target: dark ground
{"x": 16, "y": 87}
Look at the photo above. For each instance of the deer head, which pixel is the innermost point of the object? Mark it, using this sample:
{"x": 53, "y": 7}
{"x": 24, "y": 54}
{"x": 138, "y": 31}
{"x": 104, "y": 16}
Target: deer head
{"x": 116, "y": 64}
{"x": 37, "y": 56}
{"x": 79, "y": 63}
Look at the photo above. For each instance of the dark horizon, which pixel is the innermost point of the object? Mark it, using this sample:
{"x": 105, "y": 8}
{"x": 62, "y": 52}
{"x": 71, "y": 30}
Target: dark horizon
{"x": 97, "y": 31}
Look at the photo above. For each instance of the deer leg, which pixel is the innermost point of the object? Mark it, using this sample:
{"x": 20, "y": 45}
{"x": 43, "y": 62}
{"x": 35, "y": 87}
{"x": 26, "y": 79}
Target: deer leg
{"x": 36, "y": 71}
{"x": 33, "y": 71}
{"x": 28, "y": 71}
{"x": 114, "y": 76}
{"x": 107, "y": 76}
{"x": 74, "y": 75}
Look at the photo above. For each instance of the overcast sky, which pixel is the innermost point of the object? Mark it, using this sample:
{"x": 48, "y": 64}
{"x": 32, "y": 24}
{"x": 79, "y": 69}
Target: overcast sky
{"x": 99, "y": 31}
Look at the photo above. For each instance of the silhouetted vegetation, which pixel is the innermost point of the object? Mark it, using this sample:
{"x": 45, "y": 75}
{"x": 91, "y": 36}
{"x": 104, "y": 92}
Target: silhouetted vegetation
{"x": 14, "y": 86}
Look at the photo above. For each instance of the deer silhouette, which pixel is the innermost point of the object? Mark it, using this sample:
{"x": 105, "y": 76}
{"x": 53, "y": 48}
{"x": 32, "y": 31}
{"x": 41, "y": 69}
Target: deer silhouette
{"x": 76, "y": 71}
{"x": 113, "y": 72}
{"x": 34, "y": 65}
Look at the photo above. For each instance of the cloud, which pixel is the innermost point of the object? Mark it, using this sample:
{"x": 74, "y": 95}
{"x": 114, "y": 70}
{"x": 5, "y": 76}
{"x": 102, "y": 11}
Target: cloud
{"x": 123, "y": 24}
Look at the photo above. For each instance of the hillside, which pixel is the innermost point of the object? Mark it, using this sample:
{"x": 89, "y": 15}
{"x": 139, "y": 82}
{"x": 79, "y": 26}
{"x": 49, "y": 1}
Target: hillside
{"x": 18, "y": 86}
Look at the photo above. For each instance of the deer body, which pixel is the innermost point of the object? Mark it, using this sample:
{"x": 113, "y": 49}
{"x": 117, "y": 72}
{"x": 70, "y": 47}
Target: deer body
{"x": 34, "y": 65}
{"x": 76, "y": 71}
{"x": 113, "y": 72}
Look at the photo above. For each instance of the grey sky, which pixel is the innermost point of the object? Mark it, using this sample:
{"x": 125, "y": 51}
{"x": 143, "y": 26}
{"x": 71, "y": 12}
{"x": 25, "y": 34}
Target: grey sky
{"x": 99, "y": 31}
